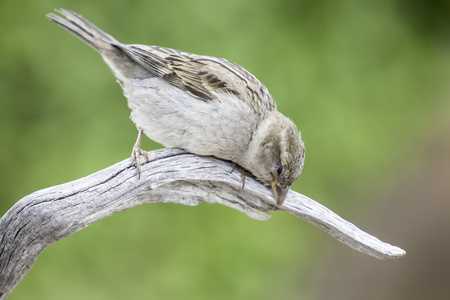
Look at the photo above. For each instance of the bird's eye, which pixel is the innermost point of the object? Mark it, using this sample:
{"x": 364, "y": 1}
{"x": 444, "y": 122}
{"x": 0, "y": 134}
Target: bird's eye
{"x": 280, "y": 170}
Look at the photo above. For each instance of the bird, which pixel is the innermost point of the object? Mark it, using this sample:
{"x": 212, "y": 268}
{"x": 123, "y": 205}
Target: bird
{"x": 206, "y": 105}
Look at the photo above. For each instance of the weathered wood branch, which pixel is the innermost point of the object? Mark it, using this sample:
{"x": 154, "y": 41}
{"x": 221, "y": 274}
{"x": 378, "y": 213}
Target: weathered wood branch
{"x": 170, "y": 176}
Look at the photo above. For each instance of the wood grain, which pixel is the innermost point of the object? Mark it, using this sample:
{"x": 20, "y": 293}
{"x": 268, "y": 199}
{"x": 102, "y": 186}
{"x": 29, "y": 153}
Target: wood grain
{"x": 170, "y": 176}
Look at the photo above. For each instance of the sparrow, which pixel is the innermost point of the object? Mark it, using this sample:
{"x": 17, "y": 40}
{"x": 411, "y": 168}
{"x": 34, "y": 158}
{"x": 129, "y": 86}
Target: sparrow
{"x": 206, "y": 105}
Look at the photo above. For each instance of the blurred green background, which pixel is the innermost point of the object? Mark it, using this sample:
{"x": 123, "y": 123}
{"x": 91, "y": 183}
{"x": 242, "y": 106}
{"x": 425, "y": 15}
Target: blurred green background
{"x": 367, "y": 83}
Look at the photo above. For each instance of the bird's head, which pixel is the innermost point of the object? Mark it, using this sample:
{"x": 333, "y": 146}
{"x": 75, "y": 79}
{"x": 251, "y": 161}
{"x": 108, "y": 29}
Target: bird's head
{"x": 276, "y": 154}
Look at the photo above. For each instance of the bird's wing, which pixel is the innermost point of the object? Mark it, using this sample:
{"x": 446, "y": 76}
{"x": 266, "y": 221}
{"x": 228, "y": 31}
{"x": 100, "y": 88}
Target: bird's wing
{"x": 201, "y": 76}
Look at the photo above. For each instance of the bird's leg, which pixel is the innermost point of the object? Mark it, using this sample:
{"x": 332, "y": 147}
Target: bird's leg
{"x": 242, "y": 172}
{"x": 137, "y": 152}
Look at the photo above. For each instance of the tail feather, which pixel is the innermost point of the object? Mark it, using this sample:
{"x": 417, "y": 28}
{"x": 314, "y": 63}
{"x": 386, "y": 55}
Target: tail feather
{"x": 83, "y": 29}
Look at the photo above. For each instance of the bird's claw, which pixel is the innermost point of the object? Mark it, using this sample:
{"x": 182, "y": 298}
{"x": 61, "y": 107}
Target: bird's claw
{"x": 136, "y": 154}
{"x": 242, "y": 173}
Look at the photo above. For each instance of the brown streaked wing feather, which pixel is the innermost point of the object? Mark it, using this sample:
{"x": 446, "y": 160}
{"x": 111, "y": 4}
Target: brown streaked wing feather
{"x": 239, "y": 81}
{"x": 149, "y": 60}
{"x": 200, "y": 75}
{"x": 176, "y": 67}
{"x": 187, "y": 71}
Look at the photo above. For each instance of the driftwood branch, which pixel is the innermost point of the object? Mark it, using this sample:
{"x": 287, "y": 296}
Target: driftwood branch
{"x": 170, "y": 176}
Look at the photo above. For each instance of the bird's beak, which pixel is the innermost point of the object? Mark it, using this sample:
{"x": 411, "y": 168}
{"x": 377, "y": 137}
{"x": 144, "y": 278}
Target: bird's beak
{"x": 279, "y": 192}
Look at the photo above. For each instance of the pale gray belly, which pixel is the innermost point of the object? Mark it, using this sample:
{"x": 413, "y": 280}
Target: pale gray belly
{"x": 221, "y": 127}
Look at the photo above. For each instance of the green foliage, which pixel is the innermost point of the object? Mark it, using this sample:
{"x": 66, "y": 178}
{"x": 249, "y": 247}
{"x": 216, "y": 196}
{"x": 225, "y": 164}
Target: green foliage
{"x": 364, "y": 85}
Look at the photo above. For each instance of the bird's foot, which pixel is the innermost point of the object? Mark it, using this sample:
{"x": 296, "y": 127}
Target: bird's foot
{"x": 242, "y": 172}
{"x": 136, "y": 154}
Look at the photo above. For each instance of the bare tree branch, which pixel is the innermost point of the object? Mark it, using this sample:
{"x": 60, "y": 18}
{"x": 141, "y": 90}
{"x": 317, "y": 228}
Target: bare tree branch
{"x": 170, "y": 176}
